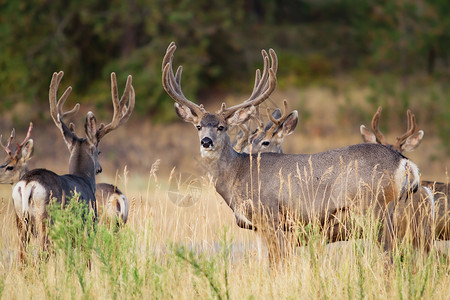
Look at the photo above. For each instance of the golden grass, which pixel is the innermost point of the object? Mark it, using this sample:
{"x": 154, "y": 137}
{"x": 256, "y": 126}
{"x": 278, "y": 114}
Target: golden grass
{"x": 157, "y": 228}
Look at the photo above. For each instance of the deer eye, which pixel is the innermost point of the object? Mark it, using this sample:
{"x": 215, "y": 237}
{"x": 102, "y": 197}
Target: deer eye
{"x": 199, "y": 127}
{"x": 99, "y": 152}
{"x": 9, "y": 168}
{"x": 220, "y": 128}
{"x": 265, "y": 143}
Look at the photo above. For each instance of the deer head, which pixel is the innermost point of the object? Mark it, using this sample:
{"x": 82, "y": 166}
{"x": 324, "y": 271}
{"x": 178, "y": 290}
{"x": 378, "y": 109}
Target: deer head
{"x": 212, "y": 127}
{"x": 16, "y": 161}
{"x": 270, "y": 137}
{"x": 84, "y": 151}
{"x": 409, "y": 141}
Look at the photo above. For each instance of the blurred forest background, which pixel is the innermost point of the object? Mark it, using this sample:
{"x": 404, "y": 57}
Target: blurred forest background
{"x": 363, "y": 54}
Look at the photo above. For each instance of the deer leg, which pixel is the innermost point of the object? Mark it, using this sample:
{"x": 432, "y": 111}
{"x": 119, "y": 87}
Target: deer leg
{"x": 42, "y": 235}
{"x": 22, "y": 237}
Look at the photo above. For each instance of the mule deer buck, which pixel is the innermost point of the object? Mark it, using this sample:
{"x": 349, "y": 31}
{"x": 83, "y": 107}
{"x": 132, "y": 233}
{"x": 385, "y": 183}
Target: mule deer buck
{"x": 431, "y": 209}
{"x": 266, "y": 138}
{"x": 111, "y": 202}
{"x": 271, "y": 192}
{"x": 37, "y": 187}
{"x": 16, "y": 163}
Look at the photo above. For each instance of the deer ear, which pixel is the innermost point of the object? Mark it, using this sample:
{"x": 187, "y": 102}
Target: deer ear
{"x": 413, "y": 141}
{"x": 27, "y": 151}
{"x": 69, "y": 136}
{"x": 241, "y": 116}
{"x": 367, "y": 135}
{"x": 90, "y": 128}
{"x": 290, "y": 123}
{"x": 185, "y": 114}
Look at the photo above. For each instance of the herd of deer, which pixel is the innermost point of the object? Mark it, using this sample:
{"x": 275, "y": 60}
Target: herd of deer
{"x": 268, "y": 191}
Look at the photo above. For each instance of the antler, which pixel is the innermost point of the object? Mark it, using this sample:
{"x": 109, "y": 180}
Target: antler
{"x": 11, "y": 137}
{"x": 122, "y": 112}
{"x": 410, "y": 130}
{"x": 376, "y": 118}
{"x": 276, "y": 122}
{"x": 242, "y": 138}
{"x": 172, "y": 83}
{"x": 19, "y": 146}
{"x": 56, "y": 107}
{"x": 264, "y": 86}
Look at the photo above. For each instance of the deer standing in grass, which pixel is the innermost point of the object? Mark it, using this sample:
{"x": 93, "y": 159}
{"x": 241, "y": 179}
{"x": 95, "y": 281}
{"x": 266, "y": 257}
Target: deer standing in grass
{"x": 429, "y": 210}
{"x": 271, "y": 192}
{"x": 34, "y": 191}
{"x": 111, "y": 202}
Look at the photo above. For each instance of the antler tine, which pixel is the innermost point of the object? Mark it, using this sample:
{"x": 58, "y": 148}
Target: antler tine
{"x": 242, "y": 139}
{"x": 411, "y": 121}
{"x": 56, "y": 106}
{"x": 11, "y": 137}
{"x": 260, "y": 80}
{"x": 121, "y": 112}
{"x": 268, "y": 82}
{"x": 276, "y": 122}
{"x": 172, "y": 83}
{"x": 19, "y": 146}
{"x": 376, "y": 130}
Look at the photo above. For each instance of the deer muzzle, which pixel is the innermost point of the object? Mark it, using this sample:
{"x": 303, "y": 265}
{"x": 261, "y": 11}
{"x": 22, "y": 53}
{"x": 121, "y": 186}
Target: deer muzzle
{"x": 206, "y": 142}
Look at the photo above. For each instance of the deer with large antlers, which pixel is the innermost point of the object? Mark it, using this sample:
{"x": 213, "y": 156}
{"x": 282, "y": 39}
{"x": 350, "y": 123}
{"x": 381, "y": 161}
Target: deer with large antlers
{"x": 270, "y": 192}
{"x": 429, "y": 208}
{"x": 38, "y": 187}
{"x": 112, "y": 204}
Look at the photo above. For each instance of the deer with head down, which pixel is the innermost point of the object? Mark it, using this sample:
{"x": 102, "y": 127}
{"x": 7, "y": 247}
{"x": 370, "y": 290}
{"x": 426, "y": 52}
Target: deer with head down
{"x": 429, "y": 210}
{"x": 271, "y": 192}
{"x": 36, "y": 188}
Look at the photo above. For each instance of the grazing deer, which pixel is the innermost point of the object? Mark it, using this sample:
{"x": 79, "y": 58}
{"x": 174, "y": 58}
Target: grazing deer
{"x": 271, "y": 192}
{"x": 267, "y": 138}
{"x": 35, "y": 189}
{"x": 111, "y": 202}
{"x": 434, "y": 204}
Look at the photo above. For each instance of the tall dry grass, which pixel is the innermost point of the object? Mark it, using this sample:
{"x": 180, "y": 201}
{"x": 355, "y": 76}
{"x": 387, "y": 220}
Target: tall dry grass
{"x": 185, "y": 248}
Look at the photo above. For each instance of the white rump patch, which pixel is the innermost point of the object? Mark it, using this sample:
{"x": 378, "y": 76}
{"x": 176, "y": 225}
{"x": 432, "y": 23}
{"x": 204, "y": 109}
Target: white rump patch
{"x": 29, "y": 198}
{"x": 407, "y": 176}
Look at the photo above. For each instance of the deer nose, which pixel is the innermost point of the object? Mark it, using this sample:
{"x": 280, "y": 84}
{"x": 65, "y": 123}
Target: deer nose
{"x": 99, "y": 170}
{"x": 206, "y": 142}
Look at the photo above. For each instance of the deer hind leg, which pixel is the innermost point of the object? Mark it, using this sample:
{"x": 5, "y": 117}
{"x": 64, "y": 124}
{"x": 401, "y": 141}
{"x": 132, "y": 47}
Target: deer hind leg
{"x": 42, "y": 235}
{"x": 23, "y": 237}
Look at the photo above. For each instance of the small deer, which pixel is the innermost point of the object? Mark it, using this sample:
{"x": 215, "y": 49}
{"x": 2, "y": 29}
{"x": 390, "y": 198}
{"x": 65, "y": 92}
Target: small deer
{"x": 16, "y": 163}
{"x": 430, "y": 209}
{"x": 271, "y": 192}
{"x": 267, "y": 138}
{"x": 111, "y": 202}
{"x": 36, "y": 188}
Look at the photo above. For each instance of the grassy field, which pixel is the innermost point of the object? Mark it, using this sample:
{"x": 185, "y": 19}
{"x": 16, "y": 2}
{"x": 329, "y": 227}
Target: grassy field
{"x": 183, "y": 249}
{"x": 181, "y": 240}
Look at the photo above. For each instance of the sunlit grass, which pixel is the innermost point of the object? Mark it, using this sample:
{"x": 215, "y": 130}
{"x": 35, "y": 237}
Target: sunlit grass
{"x": 197, "y": 251}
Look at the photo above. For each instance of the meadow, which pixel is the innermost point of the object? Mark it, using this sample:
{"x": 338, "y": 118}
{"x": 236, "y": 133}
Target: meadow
{"x": 181, "y": 240}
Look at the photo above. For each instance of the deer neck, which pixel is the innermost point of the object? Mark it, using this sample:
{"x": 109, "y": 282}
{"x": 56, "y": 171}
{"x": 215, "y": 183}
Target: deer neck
{"x": 82, "y": 165}
{"x": 222, "y": 165}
